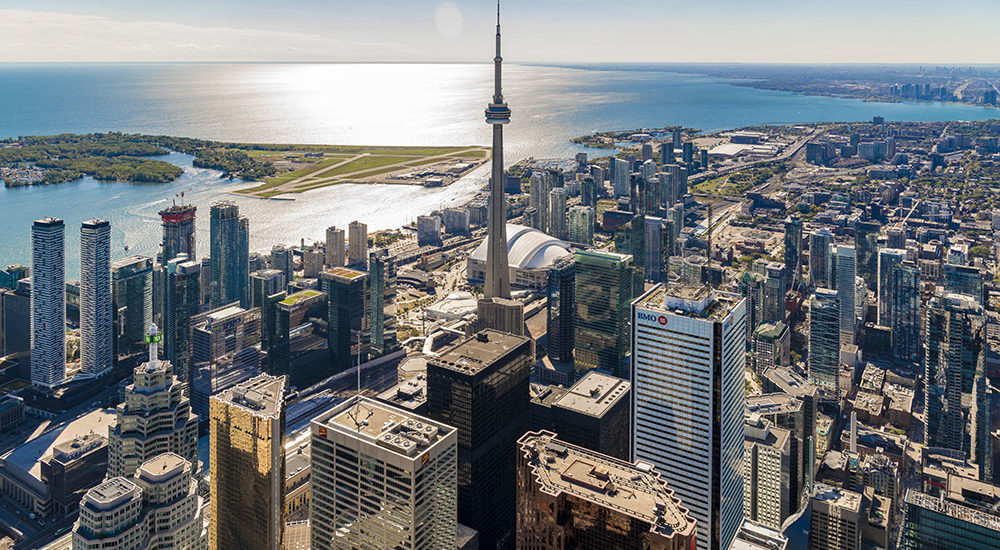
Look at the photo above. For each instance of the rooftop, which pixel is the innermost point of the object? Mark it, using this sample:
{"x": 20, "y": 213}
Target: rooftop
{"x": 527, "y": 248}
{"x": 594, "y": 394}
{"x": 771, "y": 331}
{"x": 392, "y": 428}
{"x": 789, "y": 381}
{"x": 162, "y": 467}
{"x": 836, "y": 497}
{"x": 773, "y": 403}
{"x": 477, "y": 352}
{"x": 700, "y": 302}
{"x": 298, "y": 297}
{"x": 263, "y": 395}
{"x": 225, "y": 313}
{"x": 111, "y": 493}
{"x": 632, "y": 489}
{"x": 952, "y": 509}
{"x": 343, "y": 273}
{"x": 27, "y": 457}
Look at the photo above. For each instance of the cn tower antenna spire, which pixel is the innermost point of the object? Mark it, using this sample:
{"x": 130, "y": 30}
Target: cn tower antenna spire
{"x": 497, "y": 284}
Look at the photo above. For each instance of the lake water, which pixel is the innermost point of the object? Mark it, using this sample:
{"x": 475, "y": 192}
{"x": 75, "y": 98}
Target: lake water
{"x": 376, "y": 104}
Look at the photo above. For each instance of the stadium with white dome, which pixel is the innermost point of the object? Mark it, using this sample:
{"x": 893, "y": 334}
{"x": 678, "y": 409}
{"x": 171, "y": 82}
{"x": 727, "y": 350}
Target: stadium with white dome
{"x": 530, "y": 254}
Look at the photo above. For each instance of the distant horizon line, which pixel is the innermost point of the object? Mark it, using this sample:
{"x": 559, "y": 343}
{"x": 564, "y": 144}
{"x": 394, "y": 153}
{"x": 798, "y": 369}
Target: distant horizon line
{"x": 533, "y": 63}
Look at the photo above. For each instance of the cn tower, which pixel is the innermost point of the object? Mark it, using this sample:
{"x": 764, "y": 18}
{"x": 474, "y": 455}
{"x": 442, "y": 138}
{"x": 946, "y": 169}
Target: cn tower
{"x": 497, "y": 114}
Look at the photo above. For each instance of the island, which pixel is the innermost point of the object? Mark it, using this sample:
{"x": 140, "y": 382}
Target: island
{"x": 275, "y": 169}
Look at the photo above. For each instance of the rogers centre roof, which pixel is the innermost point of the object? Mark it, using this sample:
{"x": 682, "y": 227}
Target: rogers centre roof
{"x": 527, "y": 248}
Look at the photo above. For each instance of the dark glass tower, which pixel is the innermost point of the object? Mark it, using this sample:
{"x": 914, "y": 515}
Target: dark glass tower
{"x": 347, "y": 315}
{"x": 480, "y": 386}
{"x": 230, "y": 252}
{"x": 561, "y": 310}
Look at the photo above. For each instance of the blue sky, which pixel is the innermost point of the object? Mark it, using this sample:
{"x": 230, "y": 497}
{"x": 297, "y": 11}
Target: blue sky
{"x": 804, "y": 31}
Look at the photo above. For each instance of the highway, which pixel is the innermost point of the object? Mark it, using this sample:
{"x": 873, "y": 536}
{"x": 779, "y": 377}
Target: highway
{"x": 788, "y": 153}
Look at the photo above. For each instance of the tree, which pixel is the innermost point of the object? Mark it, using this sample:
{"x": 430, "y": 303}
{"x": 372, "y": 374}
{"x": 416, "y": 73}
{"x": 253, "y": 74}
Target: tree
{"x": 979, "y": 251}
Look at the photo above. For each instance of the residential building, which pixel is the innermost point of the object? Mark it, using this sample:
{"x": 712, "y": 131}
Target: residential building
{"x": 819, "y": 258}
{"x": 182, "y": 301}
{"x": 178, "y": 233}
{"x": 888, "y": 258}
{"x": 581, "y": 225}
{"x": 48, "y": 302}
{"x": 688, "y": 362}
{"x": 843, "y": 273}
{"x": 824, "y": 344}
{"x": 96, "y": 336}
{"x": 230, "y": 253}
{"x": 557, "y": 213}
{"x": 903, "y": 289}
{"x": 428, "y": 231}
{"x": 132, "y": 301}
{"x": 357, "y": 244}
{"x": 335, "y": 251}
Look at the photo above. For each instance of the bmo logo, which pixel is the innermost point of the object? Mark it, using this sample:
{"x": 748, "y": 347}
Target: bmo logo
{"x": 651, "y": 318}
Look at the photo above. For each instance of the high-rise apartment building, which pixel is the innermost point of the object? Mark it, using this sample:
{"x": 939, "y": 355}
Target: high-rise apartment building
{"x": 382, "y": 477}
{"x": 604, "y": 289}
{"x": 557, "y": 213}
{"x": 824, "y": 343}
{"x": 866, "y": 244}
{"x": 178, "y": 232}
{"x": 335, "y": 251}
{"x": 480, "y": 386}
{"x": 965, "y": 279}
{"x": 348, "y": 315}
{"x": 158, "y": 507}
{"x": 844, "y": 263}
{"x": 954, "y": 378}
{"x": 182, "y": 291}
{"x": 819, "y": 258}
{"x": 767, "y": 471}
{"x": 620, "y": 172}
{"x": 48, "y": 302}
{"x": 155, "y": 417}
{"x": 96, "y": 338}
{"x": 903, "y": 290}
{"x": 282, "y": 260}
{"x": 357, "y": 244}
{"x": 569, "y": 497}
{"x": 888, "y": 258}
{"x": 132, "y": 301}
{"x": 381, "y": 292}
{"x": 230, "y": 253}
{"x": 581, "y": 225}
{"x": 688, "y": 362}
{"x": 247, "y": 465}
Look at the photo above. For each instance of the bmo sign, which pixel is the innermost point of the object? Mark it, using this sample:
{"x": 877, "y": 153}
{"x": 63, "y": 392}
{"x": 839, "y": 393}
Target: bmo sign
{"x": 650, "y": 318}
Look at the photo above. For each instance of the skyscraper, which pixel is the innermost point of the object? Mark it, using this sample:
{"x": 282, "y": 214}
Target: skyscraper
{"x": 561, "y": 311}
{"x": 48, "y": 302}
{"x": 132, "y": 301}
{"x": 570, "y": 497}
{"x": 888, "y": 258}
{"x": 409, "y": 502}
{"x": 357, "y": 244}
{"x": 348, "y": 315}
{"x": 480, "y": 386}
{"x": 954, "y": 348}
{"x": 866, "y": 244}
{"x": 793, "y": 249}
{"x": 903, "y": 291}
{"x": 767, "y": 471}
{"x": 155, "y": 417}
{"x": 230, "y": 252}
{"x": 96, "y": 338}
{"x": 688, "y": 357}
{"x": 334, "y": 247}
{"x": 581, "y": 225}
{"x": 158, "y": 507}
{"x": 381, "y": 273}
{"x": 497, "y": 115}
{"x": 844, "y": 267}
{"x": 182, "y": 290}
{"x": 605, "y": 283}
{"x": 178, "y": 232}
{"x": 557, "y": 212}
{"x": 824, "y": 343}
{"x": 225, "y": 351}
{"x": 619, "y": 177}
{"x": 281, "y": 259}
{"x": 819, "y": 258}
{"x": 247, "y": 442}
